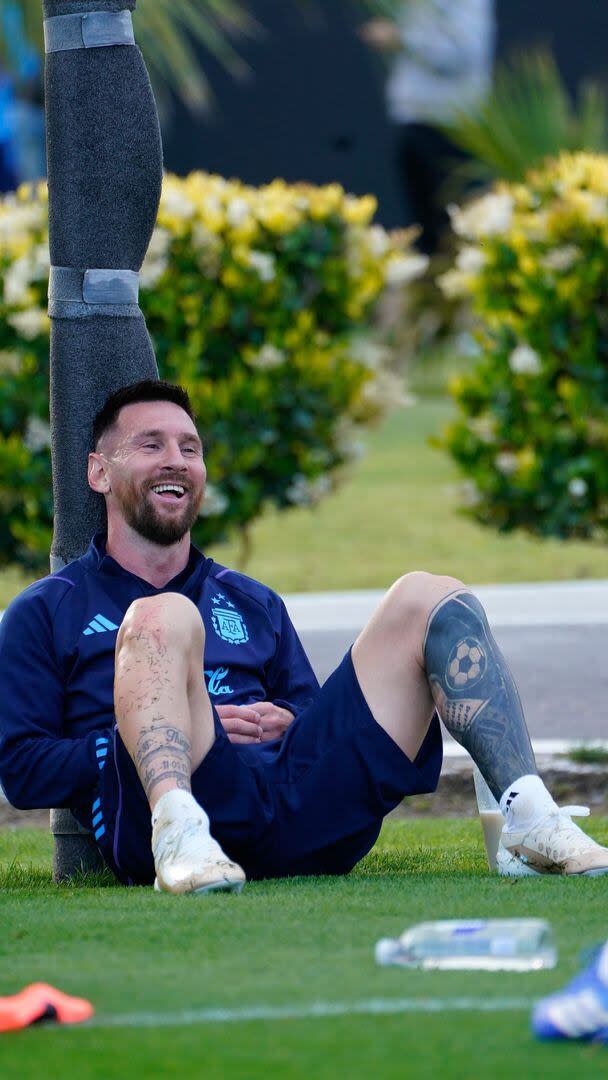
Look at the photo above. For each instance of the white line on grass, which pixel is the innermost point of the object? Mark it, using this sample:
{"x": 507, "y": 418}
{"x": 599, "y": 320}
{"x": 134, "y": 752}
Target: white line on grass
{"x": 315, "y": 1010}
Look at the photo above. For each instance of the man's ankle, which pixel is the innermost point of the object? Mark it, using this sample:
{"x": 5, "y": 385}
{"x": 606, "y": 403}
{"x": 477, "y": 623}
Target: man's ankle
{"x": 525, "y": 801}
{"x": 175, "y": 804}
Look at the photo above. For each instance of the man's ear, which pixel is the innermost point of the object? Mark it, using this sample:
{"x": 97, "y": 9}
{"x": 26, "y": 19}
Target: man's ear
{"x": 98, "y": 473}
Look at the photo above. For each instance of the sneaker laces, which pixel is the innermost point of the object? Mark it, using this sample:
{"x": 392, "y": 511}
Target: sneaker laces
{"x": 574, "y": 811}
{"x": 563, "y": 828}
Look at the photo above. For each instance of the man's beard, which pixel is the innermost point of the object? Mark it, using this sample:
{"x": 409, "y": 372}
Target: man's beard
{"x": 143, "y": 517}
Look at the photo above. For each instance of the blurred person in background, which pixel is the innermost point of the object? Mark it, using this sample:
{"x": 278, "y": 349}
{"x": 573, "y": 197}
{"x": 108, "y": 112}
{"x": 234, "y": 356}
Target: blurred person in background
{"x": 8, "y": 172}
{"x": 22, "y": 149}
{"x": 440, "y": 61}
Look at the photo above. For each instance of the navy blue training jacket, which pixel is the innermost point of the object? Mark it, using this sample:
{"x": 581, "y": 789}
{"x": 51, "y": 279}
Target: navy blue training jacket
{"x": 57, "y": 641}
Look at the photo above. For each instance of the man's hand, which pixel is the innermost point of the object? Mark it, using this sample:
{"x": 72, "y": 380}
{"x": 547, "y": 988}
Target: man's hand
{"x": 260, "y": 722}
{"x": 274, "y": 720}
{"x": 242, "y": 723}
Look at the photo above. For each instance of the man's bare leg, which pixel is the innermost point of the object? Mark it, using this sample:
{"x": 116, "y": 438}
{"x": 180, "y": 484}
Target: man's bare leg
{"x": 165, "y": 720}
{"x": 474, "y": 691}
{"x": 389, "y": 661}
{"x": 162, "y": 708}
{"x": 429, "y": 645}
{"x": 402, "y": 660}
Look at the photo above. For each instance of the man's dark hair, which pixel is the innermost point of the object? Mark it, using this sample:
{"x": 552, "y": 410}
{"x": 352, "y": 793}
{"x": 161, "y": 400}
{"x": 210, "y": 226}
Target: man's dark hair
{"x": 146, "y": 390}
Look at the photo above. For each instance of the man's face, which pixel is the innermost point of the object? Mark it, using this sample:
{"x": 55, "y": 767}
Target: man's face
{"x": 155, "y": 470}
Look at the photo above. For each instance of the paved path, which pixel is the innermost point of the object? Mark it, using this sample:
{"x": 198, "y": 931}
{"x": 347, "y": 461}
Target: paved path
{"x": 554, "y": 636}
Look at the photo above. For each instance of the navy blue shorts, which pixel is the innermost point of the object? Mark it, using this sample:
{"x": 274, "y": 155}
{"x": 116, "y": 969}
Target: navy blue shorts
{"x": 311, "y": 803}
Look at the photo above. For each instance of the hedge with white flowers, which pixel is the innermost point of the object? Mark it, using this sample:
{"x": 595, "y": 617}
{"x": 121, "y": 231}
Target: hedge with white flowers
{"x": 532, "y": 427}
{"x": 258, "y": 301}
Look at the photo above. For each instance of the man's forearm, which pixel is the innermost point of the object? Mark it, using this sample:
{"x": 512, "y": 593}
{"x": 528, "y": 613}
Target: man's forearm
{"x": 40, "y": 772}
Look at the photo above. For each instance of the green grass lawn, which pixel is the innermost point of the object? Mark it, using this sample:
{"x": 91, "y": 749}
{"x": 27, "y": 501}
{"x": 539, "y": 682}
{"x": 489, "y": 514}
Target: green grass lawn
{"x": 286, "y": 943}
{"x": 398, "y": 511}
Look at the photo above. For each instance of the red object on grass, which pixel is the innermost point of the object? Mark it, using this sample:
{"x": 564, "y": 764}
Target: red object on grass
{"x": 41, "y": 1003}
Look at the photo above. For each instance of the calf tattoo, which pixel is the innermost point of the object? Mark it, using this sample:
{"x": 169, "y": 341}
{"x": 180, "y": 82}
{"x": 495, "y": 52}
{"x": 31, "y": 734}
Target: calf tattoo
{"x": 162, "y": 752}
{"x": 474, "y": 691}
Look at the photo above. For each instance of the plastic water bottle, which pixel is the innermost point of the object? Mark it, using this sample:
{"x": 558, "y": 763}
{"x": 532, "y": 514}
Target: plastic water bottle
{"x": 472, "y": 945}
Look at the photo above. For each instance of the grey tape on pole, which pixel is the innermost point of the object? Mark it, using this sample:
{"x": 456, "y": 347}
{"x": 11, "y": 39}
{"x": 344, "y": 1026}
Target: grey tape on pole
{"x": 77, "y": 293}
{"x": 93, "y": 30}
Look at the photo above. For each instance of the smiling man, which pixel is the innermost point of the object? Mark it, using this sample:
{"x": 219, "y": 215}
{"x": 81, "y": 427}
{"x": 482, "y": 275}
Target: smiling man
{"x": 259, "y": 771}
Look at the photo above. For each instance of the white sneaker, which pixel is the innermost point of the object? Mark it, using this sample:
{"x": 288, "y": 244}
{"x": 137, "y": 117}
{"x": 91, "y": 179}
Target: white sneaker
{"x": 186, "y": 857}
{"x": 553, "y": 845}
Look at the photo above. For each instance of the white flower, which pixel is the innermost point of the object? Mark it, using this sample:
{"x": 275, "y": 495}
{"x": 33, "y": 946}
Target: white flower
{"x": 237, "y": 211}
{"x": 29, "y": 324}
{"x": 385, "y": 391}
{"x": 209, "y": 247}
{"x": 263, "y": 264}
{"x": 16, "y": 283}
{"x": 561, "y": 258}
{"x": 404, "y": 268}
{"x": 454, "y": 284}
{"x": 203, "y": 237}
{"x": 319, "y": 487}
{"x": 484, "y": 428}
{"x": 34, "y": 266}
{"x": 537, "y": 225}
{"x": 267, "y": 357}
{"x": 488, "y": 216}
{"x": 471, "y": 259}
{"x": 345, "y": 441}
{"x": 353, "y": 450}
{"x": 37, "y": 434}
{"x": 470, "y": 493}
{"x": 10, "y": 362}
{"x": 40, "y": 261}
{"x": 176, "y": 203}
{"x": 303, "y": 492}
{"x": 524, "y": 360}
{"x": 298, "y": 491}
{"x": 595, "y": 207}
{"x": 20, "y": 219}
{"x": 151, "y": 272}
{"x": 369, "y": 353}
{"x": 578, "y": 487}
{"x": 159, "y": 243}
{"x": 506, "y": 462}
{"x": 214, "y": 503}
{"x": 156, "y": 260}
{"x": 378, "y": 242}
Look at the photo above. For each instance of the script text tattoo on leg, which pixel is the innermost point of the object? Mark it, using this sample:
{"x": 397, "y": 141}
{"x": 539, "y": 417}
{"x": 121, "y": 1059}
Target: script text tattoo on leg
{"x": 163, "y": 752}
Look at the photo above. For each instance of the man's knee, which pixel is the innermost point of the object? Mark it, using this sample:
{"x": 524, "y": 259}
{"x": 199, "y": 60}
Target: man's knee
{"x": 170, "y": 620}
{"x": 412, "y": 598}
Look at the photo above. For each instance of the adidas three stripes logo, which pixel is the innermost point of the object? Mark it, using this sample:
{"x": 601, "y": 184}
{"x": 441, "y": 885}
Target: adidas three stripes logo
{"x": 100, "y": 625}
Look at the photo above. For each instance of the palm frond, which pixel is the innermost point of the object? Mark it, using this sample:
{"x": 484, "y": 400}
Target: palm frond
{"x": 168, "y": 32}
{"x": 529, "y": 116}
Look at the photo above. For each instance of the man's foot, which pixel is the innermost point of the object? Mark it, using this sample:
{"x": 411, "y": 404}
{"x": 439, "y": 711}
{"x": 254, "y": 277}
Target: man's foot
{"x": 580, "y": 1010}
{"x": 186, "y": 857}
{"x": 551, "y": 845}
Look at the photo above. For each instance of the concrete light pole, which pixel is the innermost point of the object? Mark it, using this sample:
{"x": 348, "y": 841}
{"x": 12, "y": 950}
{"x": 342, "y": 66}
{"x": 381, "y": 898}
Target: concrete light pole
{"x": 105, "y": 173}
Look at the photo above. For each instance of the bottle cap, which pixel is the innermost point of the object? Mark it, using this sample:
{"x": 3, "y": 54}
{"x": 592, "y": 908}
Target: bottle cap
{"x": 385, "y": 950}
